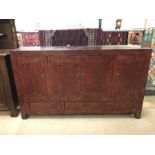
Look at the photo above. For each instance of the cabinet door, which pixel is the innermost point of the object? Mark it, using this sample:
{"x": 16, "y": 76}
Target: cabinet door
{"x": 129, "y": 75}
{"x": 97, "y": 77}
{"x": 32, "y": 78}
{"x": 63, "y": 77}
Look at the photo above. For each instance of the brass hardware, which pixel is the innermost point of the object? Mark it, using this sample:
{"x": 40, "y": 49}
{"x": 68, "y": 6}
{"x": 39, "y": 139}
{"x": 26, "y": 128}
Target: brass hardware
{"x": 117, "y": 74}
{"x": 42, "y": 76}
{"x": 79, "y": 76}
{"x": 82, "y": 76}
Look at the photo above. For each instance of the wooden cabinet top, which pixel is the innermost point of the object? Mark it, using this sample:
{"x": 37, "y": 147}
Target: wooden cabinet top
{"x": 82, "y": 48}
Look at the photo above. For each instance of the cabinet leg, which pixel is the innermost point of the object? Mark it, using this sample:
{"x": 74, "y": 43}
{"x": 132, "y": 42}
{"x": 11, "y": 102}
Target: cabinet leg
{"x": 14, "y": 114}
{"x": 24, "y": 116}
{"x": 138, "y": 115}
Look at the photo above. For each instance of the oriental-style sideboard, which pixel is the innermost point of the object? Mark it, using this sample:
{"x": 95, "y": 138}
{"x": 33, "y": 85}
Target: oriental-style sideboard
{"x": 81, "y": 80}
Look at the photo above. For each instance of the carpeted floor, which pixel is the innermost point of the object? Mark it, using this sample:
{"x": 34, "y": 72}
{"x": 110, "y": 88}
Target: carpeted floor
{"x": 84, "y": 124}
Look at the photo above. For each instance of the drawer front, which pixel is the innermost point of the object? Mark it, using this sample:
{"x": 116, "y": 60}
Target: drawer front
{"x": 72, "y": 107}
{"x": 97, "y": 107}
{"x": 88, "y": 107}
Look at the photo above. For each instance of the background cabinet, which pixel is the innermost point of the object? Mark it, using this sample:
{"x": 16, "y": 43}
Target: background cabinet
{"x": 8, "y": 34}
{"x": 8, "y": 97}
{"x": 86, "y": 81}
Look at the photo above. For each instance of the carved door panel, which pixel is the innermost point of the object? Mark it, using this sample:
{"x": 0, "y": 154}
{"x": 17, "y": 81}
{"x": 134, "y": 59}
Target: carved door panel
{"x": 63, "y": 77}
{"x": 97, "y": 77}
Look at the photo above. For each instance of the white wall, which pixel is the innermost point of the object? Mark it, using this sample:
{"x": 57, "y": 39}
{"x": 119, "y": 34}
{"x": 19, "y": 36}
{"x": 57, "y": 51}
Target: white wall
{"x": 57, "y": 14}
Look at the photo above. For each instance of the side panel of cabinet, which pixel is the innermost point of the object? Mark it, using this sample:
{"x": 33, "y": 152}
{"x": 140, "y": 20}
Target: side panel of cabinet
{"x": 63, "y": 77}
{"x": 1, "y": 93}
{"x": 32, "y": 81}
{"x": 8, "y": 98}
{"x": 2, "y": 96}
{"x": 97, "y": 77}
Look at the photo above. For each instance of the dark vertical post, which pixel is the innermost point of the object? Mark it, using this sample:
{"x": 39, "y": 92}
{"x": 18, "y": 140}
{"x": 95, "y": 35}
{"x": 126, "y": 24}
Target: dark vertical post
{"x": 100, "y": 23}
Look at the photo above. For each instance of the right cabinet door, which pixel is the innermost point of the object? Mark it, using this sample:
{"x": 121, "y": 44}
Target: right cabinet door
{"x": 128, "y": 76}
{"x": 97, "y": 77}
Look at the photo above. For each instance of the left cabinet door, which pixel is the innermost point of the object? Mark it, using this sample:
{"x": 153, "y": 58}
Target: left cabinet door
{"x": 63, "y": 77}
{"x": 32, "y": 81}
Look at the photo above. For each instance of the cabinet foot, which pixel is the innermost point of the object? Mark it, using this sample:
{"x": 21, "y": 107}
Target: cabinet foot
{"x": 15, "y": 114}
{"x": 137, "y": 115}
{"x": 24, "y": 116}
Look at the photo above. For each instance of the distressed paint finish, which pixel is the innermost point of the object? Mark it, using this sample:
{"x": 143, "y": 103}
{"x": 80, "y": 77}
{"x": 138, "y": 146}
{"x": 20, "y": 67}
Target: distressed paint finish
{"x": 81, "y": 80}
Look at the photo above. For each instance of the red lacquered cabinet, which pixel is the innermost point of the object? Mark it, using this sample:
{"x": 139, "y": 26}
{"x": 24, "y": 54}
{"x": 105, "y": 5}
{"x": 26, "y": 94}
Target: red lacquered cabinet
{"x": 81, "y": 80}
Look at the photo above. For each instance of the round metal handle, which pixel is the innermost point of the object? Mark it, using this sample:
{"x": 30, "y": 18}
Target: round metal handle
{"x": 117, "y": 74}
